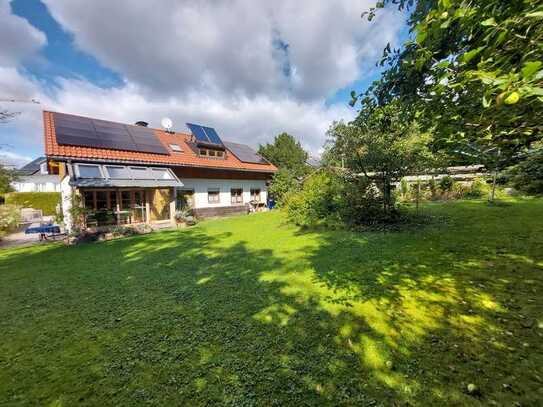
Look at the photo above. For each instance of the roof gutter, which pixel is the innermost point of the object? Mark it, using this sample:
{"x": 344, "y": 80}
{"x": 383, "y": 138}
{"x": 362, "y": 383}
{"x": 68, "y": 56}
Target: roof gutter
{"x": 161, "y": 164}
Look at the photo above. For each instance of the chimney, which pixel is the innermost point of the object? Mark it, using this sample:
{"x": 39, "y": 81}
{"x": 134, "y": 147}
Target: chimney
{"x": 141, "y": 123}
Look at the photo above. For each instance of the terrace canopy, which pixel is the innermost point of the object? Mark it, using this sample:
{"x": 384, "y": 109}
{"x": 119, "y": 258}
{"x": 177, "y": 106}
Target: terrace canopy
{"x": 125, "y": 194}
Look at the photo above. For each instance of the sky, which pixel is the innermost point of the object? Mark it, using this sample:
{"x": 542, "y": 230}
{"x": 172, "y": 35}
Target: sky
{"x": 249, "y": 69}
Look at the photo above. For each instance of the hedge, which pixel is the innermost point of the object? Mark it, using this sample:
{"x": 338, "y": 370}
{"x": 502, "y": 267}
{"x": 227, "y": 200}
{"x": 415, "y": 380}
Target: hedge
{"x": 46, "y": 201}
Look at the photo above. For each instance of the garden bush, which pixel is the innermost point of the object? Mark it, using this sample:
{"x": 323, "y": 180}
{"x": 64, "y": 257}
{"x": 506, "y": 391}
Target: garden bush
{"x": 460, "y": 190}
{"x": 9, "y": 218}
{"x": 479, "y": 189}
{"x": 362, "y": 204}
{"x": 527, "y": 176}
{"x": 283, "y": 184}
{"x": 318, "y": 202}
{"x": 46, "y": 201}
{"x": 334, "y": 201}
{"x": 446, "y": 184}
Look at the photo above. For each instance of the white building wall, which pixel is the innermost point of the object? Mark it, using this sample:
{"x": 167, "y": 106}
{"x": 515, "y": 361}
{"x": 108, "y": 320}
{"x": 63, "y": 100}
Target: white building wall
{"x": 201, "y": 186}
{"x": 66, "y": 203}
{"x": 36, "y": 187}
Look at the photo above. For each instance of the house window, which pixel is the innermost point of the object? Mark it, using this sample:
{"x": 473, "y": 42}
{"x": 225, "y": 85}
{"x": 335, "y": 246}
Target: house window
{"x": 89, "y": 171}
{"x": 255, "y": 194}
{"x": 213, "y": 196}
{"x": 219, "y": 153}
{"x": 162, "y": 173}
{"x": 126, "y": 201}
{"x": 101, "y": 200}
{"x": 211, "y": 153}
{"x": 88, "y": 199}
{"x": 118, "y": 172}
{"x": 141, "y": 173}
{"x": 203, "y": 151}
{"x": 176, "y": 148}
{"x": 236, "y": 196}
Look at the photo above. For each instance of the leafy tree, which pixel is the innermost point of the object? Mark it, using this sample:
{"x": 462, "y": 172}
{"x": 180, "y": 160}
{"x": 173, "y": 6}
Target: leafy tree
{"x": 286, "y": 153}
{"x": 383, "y": 149}
{"x": 318, "y": 201}
{"x": 6, "y": 178}
{"x": 472, "y": 71}
{"x": 527, "y": 176}
{"x": 283, "y": 183}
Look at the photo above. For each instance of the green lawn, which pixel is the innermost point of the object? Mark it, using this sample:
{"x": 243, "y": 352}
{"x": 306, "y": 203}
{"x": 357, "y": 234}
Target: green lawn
{"x": 252, "y": 311}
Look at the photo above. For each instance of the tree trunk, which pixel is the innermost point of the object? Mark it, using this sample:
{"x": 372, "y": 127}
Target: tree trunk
{"x": 493, "y": 193}
{"x": 418, "y": 195}
{"x": 387, "y": 204}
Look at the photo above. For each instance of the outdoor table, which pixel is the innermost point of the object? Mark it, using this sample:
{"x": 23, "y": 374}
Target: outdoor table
{"x": 43, "y": 230}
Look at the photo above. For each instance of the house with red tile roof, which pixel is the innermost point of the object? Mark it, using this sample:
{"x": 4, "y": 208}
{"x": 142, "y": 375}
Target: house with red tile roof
{"x": 129, "y": 174}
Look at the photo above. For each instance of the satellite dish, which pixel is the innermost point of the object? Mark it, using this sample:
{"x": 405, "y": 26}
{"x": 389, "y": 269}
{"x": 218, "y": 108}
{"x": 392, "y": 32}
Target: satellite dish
{"x": 166, "y": 123}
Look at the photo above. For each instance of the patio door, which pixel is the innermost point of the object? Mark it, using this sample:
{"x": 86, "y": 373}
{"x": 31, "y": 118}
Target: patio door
{"x": 132, "y": 206}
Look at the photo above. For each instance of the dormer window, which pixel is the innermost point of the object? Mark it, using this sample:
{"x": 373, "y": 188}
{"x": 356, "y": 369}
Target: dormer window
{"x": 210, "y": 152}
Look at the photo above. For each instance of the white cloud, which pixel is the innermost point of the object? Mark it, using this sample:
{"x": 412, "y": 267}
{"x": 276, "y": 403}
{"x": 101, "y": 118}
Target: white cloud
{"x": 249, "y": 69}
{"x": 19, "y": 39}
{"x": 305, "y": 48}
{"x": 251, "y": 120}
{"x": 10, "y": 158}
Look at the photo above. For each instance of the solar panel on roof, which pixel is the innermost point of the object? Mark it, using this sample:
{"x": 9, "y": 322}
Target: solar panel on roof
{"x": 198, "y": 133}
{"x": 83, "y": 131}
{"x": 244, "y": 153}
{"x": 203, "y": 134}
{"x": 212, "y": 135}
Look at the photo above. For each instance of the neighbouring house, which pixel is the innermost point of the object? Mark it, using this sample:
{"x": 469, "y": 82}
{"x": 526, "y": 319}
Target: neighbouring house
{"x": 35, "y": 177}
{"x": 129, "y": 174}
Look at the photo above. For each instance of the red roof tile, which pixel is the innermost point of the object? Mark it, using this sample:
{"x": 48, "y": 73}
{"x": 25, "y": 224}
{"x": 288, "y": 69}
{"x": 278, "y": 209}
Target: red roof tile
{"x": 186, "y": 158}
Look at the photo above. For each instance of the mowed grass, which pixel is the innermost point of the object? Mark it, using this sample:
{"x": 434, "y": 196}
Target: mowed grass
{"x": 253, "y": 311}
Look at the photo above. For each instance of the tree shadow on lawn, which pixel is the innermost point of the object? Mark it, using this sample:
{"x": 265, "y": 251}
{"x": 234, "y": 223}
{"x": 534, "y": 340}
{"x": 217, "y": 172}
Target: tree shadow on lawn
{"x": 445, "y": 310}
{"x": 189, "y": 317}
{"x": 172, "y": 318}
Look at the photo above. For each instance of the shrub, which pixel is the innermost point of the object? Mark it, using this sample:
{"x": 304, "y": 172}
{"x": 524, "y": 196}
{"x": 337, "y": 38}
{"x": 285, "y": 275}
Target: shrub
{"x": 478, "y": 189}
{"x": 404, "y": 187}
{"x": 283, "y": 184}
{"x": 46, "y": 201}
{"x": 446, "y": 184}
{"x": 527, "y": 176}
{"x": 333, "y": 201}
{"x": 362, "y": 204}
{"x": 432, "y": 187}
{"x": 10, "y": 217}
{"x": 317, "y": 202}
{"x": 460, "y": 190}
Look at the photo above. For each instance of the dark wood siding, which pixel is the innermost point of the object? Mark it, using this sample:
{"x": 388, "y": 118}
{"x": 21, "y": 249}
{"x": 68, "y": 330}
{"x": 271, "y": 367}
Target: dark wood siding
{"x": 190, "y": 172}
{"x": 220, "y": 211}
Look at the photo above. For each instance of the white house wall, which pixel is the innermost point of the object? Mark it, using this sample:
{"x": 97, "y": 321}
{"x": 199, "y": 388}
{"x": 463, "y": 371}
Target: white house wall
{"x": 66, "y": 202}
{"x": 36, "y": 187}
{"x": 201, "y": 186}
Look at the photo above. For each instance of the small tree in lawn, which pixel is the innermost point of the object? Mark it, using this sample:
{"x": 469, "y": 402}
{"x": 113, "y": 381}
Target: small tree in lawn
{"x": 382, "y": 148}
